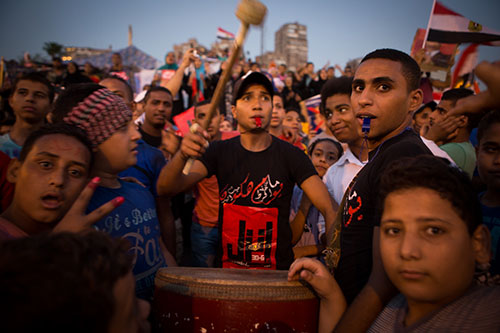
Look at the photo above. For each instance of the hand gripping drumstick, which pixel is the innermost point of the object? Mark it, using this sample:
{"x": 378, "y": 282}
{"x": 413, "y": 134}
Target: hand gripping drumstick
{"x": 248, "y": 12}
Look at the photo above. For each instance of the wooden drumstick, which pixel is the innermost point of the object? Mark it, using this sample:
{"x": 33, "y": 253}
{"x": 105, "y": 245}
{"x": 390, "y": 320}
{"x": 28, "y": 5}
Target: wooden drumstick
{"x": 248, "y": 12}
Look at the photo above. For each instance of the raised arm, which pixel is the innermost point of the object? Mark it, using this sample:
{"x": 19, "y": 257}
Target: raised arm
{"x": 486, "y": 100}
{"x": 174, "y": 84}
{"x": 171, "y": 180}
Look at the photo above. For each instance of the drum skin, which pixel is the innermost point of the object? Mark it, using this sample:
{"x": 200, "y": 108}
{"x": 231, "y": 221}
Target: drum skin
{"x": 189, "y": 299}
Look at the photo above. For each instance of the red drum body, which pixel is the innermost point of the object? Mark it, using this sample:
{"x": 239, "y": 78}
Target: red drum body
{"x": 189, "y": 299}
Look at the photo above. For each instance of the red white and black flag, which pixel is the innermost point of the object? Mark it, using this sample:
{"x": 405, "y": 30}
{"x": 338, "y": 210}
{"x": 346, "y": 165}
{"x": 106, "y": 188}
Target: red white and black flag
{"x": 447, "y": 26}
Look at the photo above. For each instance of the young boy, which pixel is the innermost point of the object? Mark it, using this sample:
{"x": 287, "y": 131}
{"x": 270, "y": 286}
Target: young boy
{"x": 452, "y": 133}
{"x": 68, "y": 282}
{"x": 205, "y": 229}
{"x": 256, "y": 173}
{"x": 31, "y": 99}
{"x": 49, "y": 175}
{"x": 308, "y": 229}
{"x": 488, "y": 166}
{"x": 429, "y": 252}
{"x": 108, "y": 124}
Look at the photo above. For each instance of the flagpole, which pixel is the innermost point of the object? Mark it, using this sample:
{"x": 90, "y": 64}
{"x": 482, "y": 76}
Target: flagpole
{"x": 429, "y": 24}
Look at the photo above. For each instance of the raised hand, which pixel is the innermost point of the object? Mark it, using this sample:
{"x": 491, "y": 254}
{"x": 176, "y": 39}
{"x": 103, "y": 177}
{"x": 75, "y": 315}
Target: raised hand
{"x": 76, "y": 220}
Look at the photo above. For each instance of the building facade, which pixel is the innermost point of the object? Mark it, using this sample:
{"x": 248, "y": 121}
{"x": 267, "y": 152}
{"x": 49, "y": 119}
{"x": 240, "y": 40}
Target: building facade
{"x": 291, "y": 44}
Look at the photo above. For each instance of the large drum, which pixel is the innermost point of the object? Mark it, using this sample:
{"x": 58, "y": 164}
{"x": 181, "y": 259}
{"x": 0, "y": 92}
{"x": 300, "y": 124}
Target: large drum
{"x": 189, "y": 299}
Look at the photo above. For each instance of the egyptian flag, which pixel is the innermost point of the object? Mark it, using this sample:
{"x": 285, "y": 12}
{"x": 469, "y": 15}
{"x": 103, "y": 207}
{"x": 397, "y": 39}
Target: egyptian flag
{"x": 223, "y": 34}
{"x": 446, "y": 26}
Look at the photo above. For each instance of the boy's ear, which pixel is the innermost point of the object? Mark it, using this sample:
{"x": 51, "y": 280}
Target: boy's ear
{"x": 233, "y": 111}
{"x": 481, "y": 244}
{"x": 13, "y": 170}
{"x": 415, "y": 100}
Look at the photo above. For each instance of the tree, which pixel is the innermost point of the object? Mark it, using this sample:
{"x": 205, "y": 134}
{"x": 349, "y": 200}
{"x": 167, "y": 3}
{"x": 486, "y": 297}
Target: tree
{"x": 53, "y": 49}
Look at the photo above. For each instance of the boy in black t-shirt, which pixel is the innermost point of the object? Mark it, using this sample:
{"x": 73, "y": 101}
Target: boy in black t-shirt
{"x": 385, "y": 93}
{"x": 256, "y": 173}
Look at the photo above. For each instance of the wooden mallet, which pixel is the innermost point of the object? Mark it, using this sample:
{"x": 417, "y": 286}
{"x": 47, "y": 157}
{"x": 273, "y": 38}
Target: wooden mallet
{"x": 248, "y": 12}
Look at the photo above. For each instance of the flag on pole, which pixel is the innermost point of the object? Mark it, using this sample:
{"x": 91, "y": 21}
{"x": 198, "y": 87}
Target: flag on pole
{"x": 223, "y": 34}
{"x": 447, "y": 26}
{"x": 463, "y": 74}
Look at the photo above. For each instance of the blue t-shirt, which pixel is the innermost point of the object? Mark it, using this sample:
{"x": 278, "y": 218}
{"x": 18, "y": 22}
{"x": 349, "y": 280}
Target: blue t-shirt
{"x": 136, "y": 221}
{"x": 491, "y": 219}
{"x": 150, "y": 161}
{"x": 312, "y": 216}
{"x": 9, "y": 147}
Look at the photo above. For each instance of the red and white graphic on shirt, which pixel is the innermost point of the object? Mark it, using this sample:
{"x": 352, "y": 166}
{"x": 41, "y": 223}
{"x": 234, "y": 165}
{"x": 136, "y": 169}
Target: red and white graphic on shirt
{"x": 261, "y": 194}
{"x": 249, "y": 237}
{"x": 166, "y": 75}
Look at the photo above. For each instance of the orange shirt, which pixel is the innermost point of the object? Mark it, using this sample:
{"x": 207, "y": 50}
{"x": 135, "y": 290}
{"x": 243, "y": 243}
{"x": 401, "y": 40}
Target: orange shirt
{"x": 206, "y": 192}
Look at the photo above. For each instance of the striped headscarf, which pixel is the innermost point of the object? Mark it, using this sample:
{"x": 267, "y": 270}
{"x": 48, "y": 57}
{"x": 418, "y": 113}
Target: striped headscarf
{"x": 100, "y": 115}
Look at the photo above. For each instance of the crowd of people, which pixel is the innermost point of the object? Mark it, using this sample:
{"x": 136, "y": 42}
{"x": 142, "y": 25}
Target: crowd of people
{"x": 390, "y": 209}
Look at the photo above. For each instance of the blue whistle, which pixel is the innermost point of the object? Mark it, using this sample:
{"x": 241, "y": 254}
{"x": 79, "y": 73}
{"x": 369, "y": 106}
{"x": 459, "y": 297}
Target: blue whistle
{"x": 365, "y": 128}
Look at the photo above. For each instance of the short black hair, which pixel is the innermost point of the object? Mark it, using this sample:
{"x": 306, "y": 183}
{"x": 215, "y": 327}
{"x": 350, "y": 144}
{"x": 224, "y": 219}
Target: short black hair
{"x": 295, "y": 108}
{"x": 455, "y": 94}
{"x": 61, "y": 282}
{"x": 35, "y": 77}
{"x": 153, "y": 89}
{"x": 435, "y": 174}
{"x": 335, "y": 86}
{"x": 50, "y": 129}
{"x": 410, "y": 68}
{"x": 489, "y": 119}
{"x": 204, "y": 102}
{"x": 70, "y": 98}
{"x": 432, "y": 105}
{"x": 130, "y": 92}
{"x": 335, "y": 143}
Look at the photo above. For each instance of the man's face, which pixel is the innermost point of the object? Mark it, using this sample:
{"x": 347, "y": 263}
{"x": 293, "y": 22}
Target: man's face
{"x": 49, "y": 180}
{"x": 253, "y": 109}
{"x": 158, "y": 108}
{"x": 310, "y": 68}
{"x": 170, "y": 58}
{"x": 119, "y": 151}
{"x": 379, "y": 92}
{"x": 30, "y": 101}
{"x": 340, "y": 118}
{"x": 440, "y": 112}
{"x": 281, "y": 69}
{"x": 213, "y": 127}
{"x": 488, "y": 157}
{"x": 130, "y": 313}
{"x": 427, "y": 251}
{"x": 278, "y": 111}
{"x": 421, "y": 119}
{"x": 116, "y": 59}
{"x": 118, "y": 88}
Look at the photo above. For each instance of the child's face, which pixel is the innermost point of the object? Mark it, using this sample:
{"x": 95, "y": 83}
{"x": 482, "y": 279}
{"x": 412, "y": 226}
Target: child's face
{"x": 488, "y": 157}
{"x": 426, "y": 248}
{"x": 323, "y": 156}
{"x": 225, "y": 126}
{"x": 278, "y": 111}
{"x": 118, "y": 152}
{"x": 30, "y": 101}
{"x": 50, "y": 179}
{"x": 292, "y": 120}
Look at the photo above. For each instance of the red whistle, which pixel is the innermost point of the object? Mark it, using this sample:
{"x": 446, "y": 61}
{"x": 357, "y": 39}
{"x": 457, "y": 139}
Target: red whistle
{"x": 258, "y": 121}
